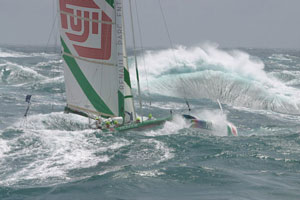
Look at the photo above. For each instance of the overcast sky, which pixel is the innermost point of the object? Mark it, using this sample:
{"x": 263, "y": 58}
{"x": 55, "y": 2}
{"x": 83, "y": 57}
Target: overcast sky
{"x": 230, "y": 23}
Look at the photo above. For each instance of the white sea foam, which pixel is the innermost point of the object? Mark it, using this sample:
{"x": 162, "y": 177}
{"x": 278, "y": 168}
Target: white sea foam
{"x": 150, "y": 173}
{"x": 150, "y": 152}
{"x": 167, "y": 152}
{"x": 162, "y": 150}
{"x": 3, "y": 148}
{"x": 49, "y": 63}
{"x": 170, "y": 127}
{"x": 56, "y": 153}
{"x": 53, "y": 145}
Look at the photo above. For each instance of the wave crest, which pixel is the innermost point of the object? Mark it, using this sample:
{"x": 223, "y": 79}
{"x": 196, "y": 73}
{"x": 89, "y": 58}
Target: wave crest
{"x": 234, "y": 77}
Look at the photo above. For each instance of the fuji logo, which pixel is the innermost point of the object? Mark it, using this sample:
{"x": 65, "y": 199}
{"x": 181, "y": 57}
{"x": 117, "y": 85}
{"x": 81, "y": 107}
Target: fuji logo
{"x": 80, "y": 19}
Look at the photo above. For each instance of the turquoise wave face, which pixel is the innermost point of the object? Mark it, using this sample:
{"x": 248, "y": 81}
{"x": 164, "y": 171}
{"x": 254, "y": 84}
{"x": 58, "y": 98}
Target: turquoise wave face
{"x": 234, "y": 77}
{"x": 52, "y": 155}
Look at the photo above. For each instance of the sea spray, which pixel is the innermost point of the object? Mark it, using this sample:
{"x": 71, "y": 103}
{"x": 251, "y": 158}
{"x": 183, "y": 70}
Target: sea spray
{"x": 170, "y": 127}
{"x": 217, "y": 118}
{"x": 232, "y": 76}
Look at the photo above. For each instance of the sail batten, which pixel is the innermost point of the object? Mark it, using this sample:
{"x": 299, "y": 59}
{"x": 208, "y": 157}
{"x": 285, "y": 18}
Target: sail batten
{"x": 91, "y": 61}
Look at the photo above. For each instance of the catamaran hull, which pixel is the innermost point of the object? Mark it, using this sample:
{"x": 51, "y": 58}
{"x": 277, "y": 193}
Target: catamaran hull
{"x": 149, "y": 124}
{"x": 231, "y": 129}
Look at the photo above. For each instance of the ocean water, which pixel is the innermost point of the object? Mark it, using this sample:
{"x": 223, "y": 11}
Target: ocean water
{"x": 51, "y": 155}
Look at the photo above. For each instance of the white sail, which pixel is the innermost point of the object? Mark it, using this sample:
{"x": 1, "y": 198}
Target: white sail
{"x": 93, "y": 53}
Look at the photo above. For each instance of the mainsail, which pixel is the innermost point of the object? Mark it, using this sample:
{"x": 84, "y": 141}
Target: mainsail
{"x": 95, "y": 65}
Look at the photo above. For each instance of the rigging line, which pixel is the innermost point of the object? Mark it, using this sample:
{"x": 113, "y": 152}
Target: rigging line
{"x": 135, "y": 59}
{"x": 143, "y": 51}
{"x": 172, "y": 49}
{"x": 53, "y": 9}
{"x": 57, "y": 32}
{"x": 55, "y": 42}
{"x": 51, "y": 32}
{"x": 47, "y": 47}
{"x": 57, "y": 51}
{"x": 166, "y": 25}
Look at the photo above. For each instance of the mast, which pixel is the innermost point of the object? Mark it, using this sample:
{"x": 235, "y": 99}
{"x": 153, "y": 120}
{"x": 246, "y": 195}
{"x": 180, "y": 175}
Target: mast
{"x": 120, "y": 56}
{"x": 135, "y": 58}
{"x": 129, "y": 100}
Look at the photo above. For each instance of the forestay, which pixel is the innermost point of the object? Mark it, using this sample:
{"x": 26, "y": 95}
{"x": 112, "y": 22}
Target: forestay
{"x": 95, "y": 64}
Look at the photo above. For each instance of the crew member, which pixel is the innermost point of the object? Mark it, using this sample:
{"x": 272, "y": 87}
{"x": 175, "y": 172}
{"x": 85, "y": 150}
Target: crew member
{"x": 98, "y": 123}
{"x": 116, "y": 124}
{"x": 107, "y": 123}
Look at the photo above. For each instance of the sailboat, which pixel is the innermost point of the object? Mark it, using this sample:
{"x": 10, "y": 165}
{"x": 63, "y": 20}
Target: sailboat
{"x": 96, "y": 72}
{"x": 97, "y": 77}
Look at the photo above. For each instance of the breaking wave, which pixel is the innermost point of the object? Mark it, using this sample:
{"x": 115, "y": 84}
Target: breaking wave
{"x": 45, "y": 76}
{"x": 13, "y": 73}
{"x": 232, "y": 76}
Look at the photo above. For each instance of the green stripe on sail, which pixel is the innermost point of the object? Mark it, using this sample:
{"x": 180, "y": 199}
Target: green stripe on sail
{"x": 111, "y": 3}
{"x": 127, "y": 77}
{"x": 121, "y": 104}
{"x": 87, "y": 88}
{"x": 128, "y": 97}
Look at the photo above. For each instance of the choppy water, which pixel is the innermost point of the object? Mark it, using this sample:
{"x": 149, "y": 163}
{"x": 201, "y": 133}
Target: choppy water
{"x": 52, "y": 155}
